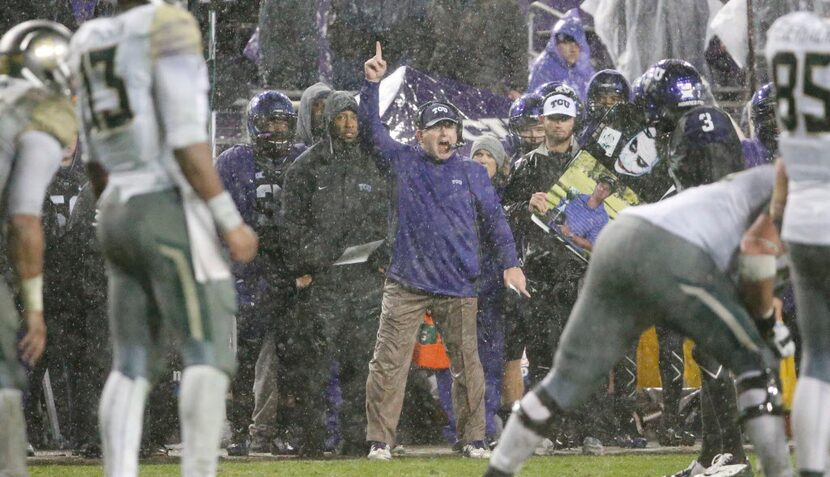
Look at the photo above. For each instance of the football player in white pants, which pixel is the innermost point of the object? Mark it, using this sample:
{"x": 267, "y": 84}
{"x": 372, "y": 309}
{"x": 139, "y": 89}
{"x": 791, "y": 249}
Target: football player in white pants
{"x": 798, "y": 52}
{"x": 671, "y": 263}
{"x": 36, "y": 124}
{"x": 142, "y": 101}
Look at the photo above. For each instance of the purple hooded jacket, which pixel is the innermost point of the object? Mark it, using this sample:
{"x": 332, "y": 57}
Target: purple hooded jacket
{"x": 444, "y": 213}
{"x": 550, "y": 66}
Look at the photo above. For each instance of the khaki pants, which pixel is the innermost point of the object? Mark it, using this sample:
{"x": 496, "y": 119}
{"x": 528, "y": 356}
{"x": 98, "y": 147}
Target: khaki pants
{"x": 401, "y": 315}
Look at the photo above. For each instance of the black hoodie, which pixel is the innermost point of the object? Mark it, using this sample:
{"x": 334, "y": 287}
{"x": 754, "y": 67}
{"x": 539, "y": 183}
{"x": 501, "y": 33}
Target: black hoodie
{"x": 334, "y": 197}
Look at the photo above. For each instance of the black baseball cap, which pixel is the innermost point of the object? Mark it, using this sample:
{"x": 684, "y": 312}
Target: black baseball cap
{"x": 436, "y": 112}
{"x": 610, "y": 180}
{"x": 564, "y": 37}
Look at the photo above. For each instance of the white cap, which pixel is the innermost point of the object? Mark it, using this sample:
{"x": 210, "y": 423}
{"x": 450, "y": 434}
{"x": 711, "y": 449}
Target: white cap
{"x": 559, "y": 104}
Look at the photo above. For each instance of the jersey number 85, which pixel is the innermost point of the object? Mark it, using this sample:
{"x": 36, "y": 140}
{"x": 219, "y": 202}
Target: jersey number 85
{"x": 785, "y": 72}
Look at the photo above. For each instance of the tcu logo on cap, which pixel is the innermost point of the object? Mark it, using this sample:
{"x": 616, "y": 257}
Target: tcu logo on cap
{"x": 560, "y": 101}
{"x": 440, "y": 109}
{"x": 559, "y": 104}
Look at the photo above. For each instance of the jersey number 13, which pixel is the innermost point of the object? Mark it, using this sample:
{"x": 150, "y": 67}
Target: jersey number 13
{"x": 106, "y": 93}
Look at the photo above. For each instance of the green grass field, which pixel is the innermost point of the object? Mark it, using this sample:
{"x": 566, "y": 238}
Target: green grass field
{"x": 559, "y": 466}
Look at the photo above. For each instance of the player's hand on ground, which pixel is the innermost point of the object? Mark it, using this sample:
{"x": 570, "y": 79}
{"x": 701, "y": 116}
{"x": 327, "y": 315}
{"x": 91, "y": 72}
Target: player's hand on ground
{"x": 242, "y": 242}
{"x": 34, "y": 341}
{"x": 514, "y": 278}
{"x": 539, "y": 202}
{"x": 375, "y": 68}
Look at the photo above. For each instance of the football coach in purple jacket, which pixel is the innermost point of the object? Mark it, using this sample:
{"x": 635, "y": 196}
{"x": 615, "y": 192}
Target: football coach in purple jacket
{"x": 443, "y": 208}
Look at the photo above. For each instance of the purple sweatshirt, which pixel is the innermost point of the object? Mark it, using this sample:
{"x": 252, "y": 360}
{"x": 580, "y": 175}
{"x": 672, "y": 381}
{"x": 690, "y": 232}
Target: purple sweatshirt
{"x": 442, "y": 213}
{"x": 550, "y": 66}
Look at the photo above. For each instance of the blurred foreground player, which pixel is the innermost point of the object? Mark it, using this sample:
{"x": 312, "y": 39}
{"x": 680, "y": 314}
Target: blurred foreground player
{"x": 143, "y": 105}
{"x": 691, "y": 241}
{"x": 798, "y": 49}
{"x": 36, "y": 124}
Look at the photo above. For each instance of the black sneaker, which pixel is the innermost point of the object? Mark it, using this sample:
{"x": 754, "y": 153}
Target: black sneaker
{"x": 89, "y": 451}
{"x": 149, "y": 451}
{"x": 627, "y": 442}
{"x": 282, "y": 446}
{"x": 239, "y": 448}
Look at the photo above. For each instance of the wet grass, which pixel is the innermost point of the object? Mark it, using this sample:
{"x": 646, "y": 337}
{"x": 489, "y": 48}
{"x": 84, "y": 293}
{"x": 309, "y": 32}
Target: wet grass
{"x": 564, "y": 466}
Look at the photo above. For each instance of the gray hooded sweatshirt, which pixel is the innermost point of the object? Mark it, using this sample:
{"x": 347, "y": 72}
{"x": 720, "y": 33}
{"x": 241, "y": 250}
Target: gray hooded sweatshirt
{"x": 304, "y": 132}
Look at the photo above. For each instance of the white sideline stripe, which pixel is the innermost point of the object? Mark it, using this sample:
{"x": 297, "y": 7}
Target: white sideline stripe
{"x": 191, "y": 298}
{"x": 723, "y": 313}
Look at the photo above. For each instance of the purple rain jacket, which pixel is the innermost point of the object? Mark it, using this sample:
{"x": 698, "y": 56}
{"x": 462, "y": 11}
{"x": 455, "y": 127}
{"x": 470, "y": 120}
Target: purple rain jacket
{"x": 550, "y": 66}
{"x": 443, "y": 213}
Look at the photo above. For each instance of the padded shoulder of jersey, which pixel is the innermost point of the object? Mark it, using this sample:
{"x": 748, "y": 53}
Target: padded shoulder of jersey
{"x": 53, "y": 115}
{"x": 174, "y": 31}
{"x": 798, "y": 30}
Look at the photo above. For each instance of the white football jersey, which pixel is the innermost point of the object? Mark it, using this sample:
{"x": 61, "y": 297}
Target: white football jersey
{"x": 713, "y": 216}
{"x": 25, "y": 107}
{"x": 798, "y": 53}
{"x": 142, "y": 92}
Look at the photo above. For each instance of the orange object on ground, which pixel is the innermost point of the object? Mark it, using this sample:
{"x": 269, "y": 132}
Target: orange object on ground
{"x": 429, "y": 348}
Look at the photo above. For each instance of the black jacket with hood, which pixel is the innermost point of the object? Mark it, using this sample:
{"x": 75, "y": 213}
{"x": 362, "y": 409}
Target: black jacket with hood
{"x": 536, "y": 171}
{"x": 334, "y": 197}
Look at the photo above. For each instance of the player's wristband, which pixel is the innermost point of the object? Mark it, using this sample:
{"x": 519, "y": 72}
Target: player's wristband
{"x": 755, "y": 268}
{"x": 224, "y": 212}
{"x": 31, "y": 291}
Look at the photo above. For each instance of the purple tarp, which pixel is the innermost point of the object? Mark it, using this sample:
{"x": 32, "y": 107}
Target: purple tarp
{"x": 405, "y": 89}
{"x": 83, "y": 9}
